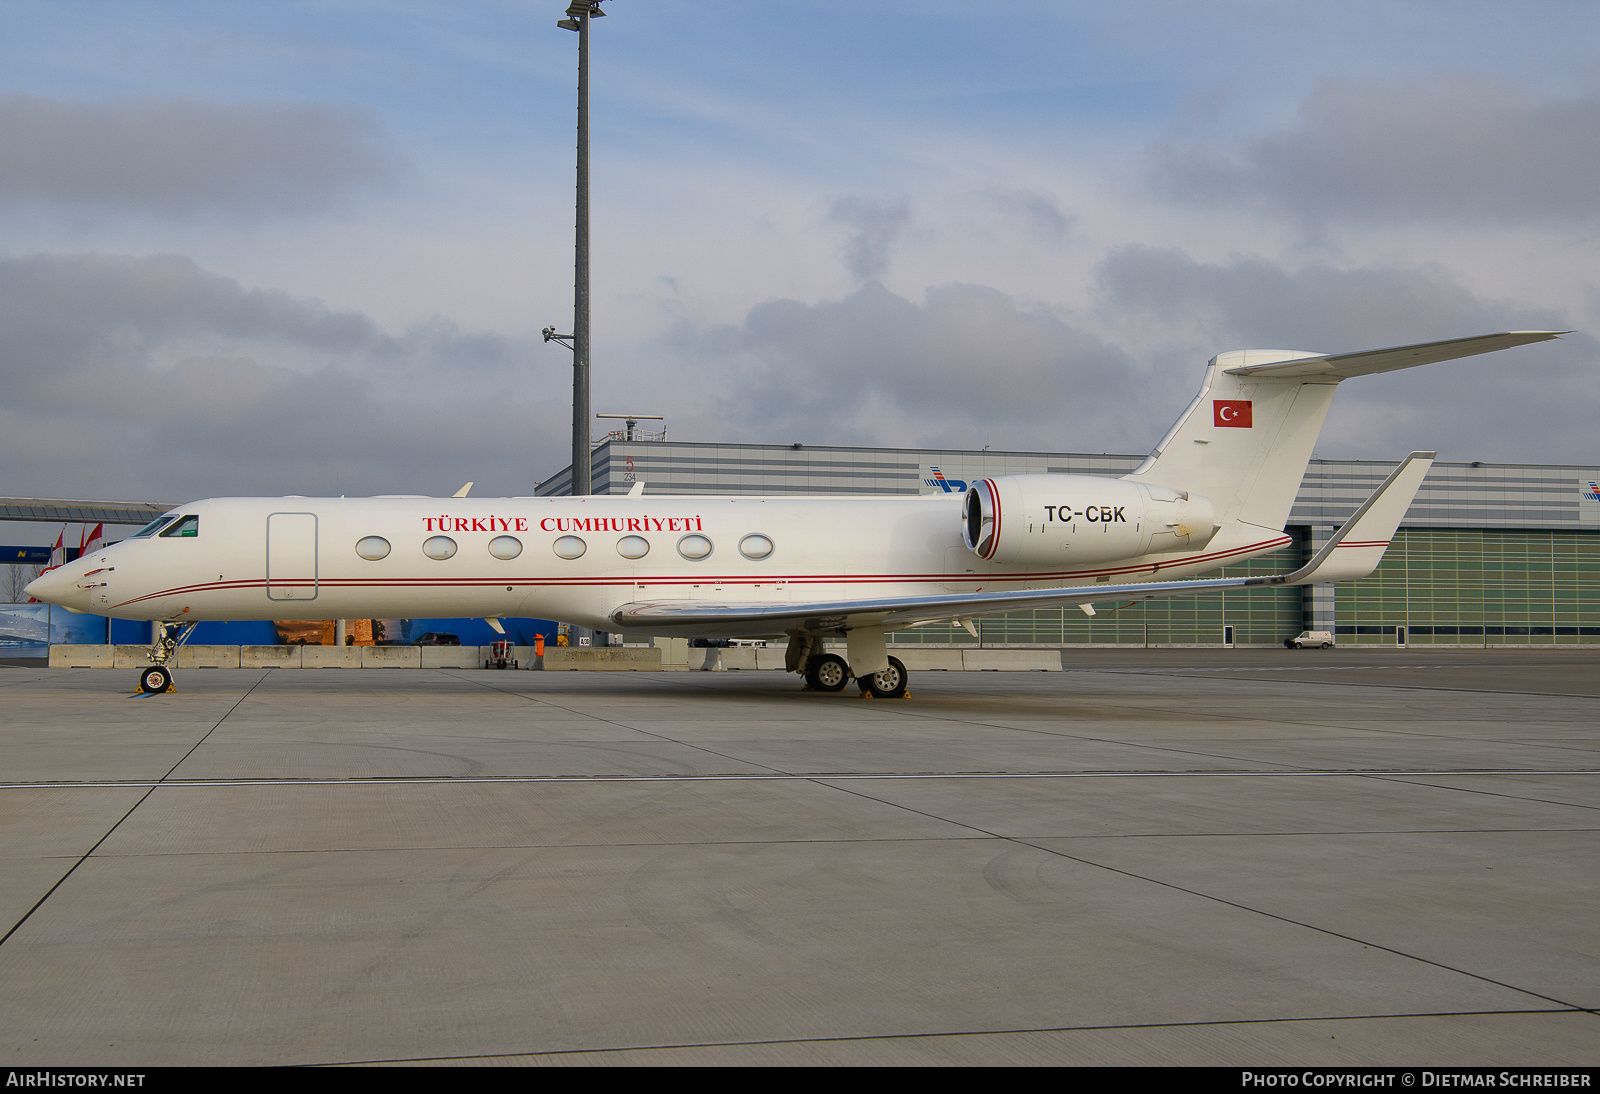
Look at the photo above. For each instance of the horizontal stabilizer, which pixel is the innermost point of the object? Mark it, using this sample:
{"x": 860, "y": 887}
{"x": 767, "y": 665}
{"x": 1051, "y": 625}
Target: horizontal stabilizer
{"x": 1333, "y": 367}
{"x": 1356, "y": 548}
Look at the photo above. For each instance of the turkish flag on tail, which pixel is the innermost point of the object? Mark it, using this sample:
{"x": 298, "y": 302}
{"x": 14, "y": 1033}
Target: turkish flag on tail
{"x": 1234, "y": 413}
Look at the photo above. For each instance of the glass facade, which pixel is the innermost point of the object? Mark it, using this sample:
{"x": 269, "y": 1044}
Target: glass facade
{"x": 1451, "y": 586}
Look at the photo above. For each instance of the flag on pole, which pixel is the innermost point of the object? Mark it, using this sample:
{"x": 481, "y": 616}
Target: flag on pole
{"x": 92, "y": 541}
{"x": 58, "y": 553}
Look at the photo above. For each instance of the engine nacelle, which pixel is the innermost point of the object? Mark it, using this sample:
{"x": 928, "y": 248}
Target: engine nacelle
{"x": 1064, "y": 520}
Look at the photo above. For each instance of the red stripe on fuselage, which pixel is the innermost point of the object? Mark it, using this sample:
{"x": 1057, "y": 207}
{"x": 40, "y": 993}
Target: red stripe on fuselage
{"x": 698, "y": 579}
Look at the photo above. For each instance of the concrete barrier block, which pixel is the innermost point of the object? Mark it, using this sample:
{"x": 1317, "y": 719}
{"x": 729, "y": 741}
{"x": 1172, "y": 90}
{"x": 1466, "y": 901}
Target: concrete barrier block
{"x": 674, "y": 652}
{"x": 446, "y": 657}
{"x": 69, "y": 656}
{"x": 330, "y": 657}
{"x": 1011, "y": 660}
{"x": 612, "y": 659}
{"x": 208, "y": 657}
{"x": 392, "y": 657}
{"x": 770, "y": 657}
{"x": 916, "y": 660}
{"x": 270, "y": 657}
{"x": 741, "y": 658}
{"x": 130, "y": 657}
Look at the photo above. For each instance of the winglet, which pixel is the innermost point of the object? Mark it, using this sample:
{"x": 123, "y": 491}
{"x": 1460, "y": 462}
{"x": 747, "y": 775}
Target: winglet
{"x": 1356, "y": 549}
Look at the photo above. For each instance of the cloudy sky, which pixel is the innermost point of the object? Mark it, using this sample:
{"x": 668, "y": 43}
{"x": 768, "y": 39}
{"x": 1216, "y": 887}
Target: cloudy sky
{"x": 307, "y": 247}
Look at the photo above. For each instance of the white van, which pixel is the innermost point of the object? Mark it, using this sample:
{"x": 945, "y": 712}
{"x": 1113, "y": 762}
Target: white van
{"x": 1306, "y": 639}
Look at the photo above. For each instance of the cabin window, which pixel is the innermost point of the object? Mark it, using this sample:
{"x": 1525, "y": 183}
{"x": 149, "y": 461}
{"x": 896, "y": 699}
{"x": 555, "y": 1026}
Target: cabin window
{"x": 372, "y": 548}
{"x": 439, "y": 547}
{"x": 154, "y": 526}
{"x": 569, "y": 547}
{"x": 186, "y": 528}
{"x": 694, "y": 547}
{"x": 633, "y": 546}
{"x": 507, "y": 547}
{"x": 755, "y": 546}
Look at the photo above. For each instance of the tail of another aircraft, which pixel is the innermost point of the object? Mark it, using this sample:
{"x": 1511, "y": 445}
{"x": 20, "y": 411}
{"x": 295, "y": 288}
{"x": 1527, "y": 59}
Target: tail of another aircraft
{"x": 1245, "y": 441}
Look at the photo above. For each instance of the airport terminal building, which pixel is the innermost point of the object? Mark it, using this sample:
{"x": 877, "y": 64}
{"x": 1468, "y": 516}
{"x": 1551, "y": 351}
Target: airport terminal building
{"x": 1490, "y": 554}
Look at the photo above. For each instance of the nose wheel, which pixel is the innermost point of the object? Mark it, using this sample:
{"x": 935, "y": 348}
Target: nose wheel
{"x": 157, "y": 679}
{"x": 154, "y": 680}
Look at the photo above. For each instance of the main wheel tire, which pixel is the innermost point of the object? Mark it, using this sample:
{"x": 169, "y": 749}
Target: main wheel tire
{"x": 154, "y": 679}
{"x": 891, "y": 683}
{"x": 827, "y": 672}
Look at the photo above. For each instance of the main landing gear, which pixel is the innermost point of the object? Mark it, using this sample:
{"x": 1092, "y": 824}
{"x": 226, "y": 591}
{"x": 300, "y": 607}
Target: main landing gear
{"x": 891, "y": 683}
{"x": 157, "y": 679}
{"x": 828, "y": 672}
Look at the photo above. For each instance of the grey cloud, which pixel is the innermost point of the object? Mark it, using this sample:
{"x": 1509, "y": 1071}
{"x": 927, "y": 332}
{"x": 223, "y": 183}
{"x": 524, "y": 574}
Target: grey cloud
{"x": 1536, "y": 403}
{"x": 183, "y": 157}
{"x": 876, "y": 225}
{"x": 153, "y": 378}
{"x": 1448, "y": 149}
{"x": 1038, "y": 213}
{"x": 966, "y": 367}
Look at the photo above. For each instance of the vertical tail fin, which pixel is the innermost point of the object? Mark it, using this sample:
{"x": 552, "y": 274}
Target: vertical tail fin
{"x": 1245, "y": 441}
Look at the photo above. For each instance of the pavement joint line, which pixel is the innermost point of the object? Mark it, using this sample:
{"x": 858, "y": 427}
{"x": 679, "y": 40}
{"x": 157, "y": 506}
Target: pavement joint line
{"x": 854, "y": 776}
{"x": 1407, "y": 781}
{"x": 631, "y": 729}
{"x": 1209, "y": 674}
{"x": 1010, "y": 1031}
{"x": 1307, "y": 926}
{"x": 1024, "y": 841}
{"x": 151, "y": 789}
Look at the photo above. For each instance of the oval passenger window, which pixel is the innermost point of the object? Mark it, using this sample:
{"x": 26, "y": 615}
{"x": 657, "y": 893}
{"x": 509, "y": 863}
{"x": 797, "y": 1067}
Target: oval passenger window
{"x": 633, "y": 546}
{"x": 695, "y": 547}
{"x": 440, "y": 547}
{"x": 755, "y": 546}
{"x": 372, "y": 548}
{"x": 570, "y": 547}
{"x": 505, "y": 546}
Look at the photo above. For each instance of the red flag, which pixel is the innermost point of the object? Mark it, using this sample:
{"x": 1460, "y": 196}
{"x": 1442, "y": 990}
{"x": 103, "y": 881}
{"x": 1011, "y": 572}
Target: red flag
{"x": 1234, "y": 413}
{"x": 58, "y": 553}
{"x": 92, "y": 541}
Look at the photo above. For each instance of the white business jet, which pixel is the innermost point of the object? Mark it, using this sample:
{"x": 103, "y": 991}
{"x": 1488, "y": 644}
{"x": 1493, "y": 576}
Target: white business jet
{"x": 1218, "y": 488}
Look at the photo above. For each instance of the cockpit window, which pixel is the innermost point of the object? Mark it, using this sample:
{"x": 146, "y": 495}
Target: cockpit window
{"x": 186, "y": 528}
{"x": 154, "y": 526}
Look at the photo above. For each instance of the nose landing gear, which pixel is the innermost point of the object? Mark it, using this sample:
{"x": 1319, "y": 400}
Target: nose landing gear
{"x": 157, "y": 679}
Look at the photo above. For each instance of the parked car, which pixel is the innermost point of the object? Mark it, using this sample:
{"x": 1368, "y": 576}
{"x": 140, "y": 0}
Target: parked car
{"x": 438, "y": 638}
{"x": 1305, "y": 639}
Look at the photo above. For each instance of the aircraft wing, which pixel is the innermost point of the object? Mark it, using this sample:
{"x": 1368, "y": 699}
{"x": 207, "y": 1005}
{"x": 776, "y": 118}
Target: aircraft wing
{"x": 1353, "y": 551}
{"x": 1341, "y": 366}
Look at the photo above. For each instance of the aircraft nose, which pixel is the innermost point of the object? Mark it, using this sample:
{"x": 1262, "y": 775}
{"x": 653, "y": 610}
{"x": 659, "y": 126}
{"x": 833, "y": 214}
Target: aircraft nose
{"x": 52, "y": 587}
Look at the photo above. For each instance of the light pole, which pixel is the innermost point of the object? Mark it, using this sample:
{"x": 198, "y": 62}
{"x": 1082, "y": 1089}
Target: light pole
{"x": 579, "y": 12}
